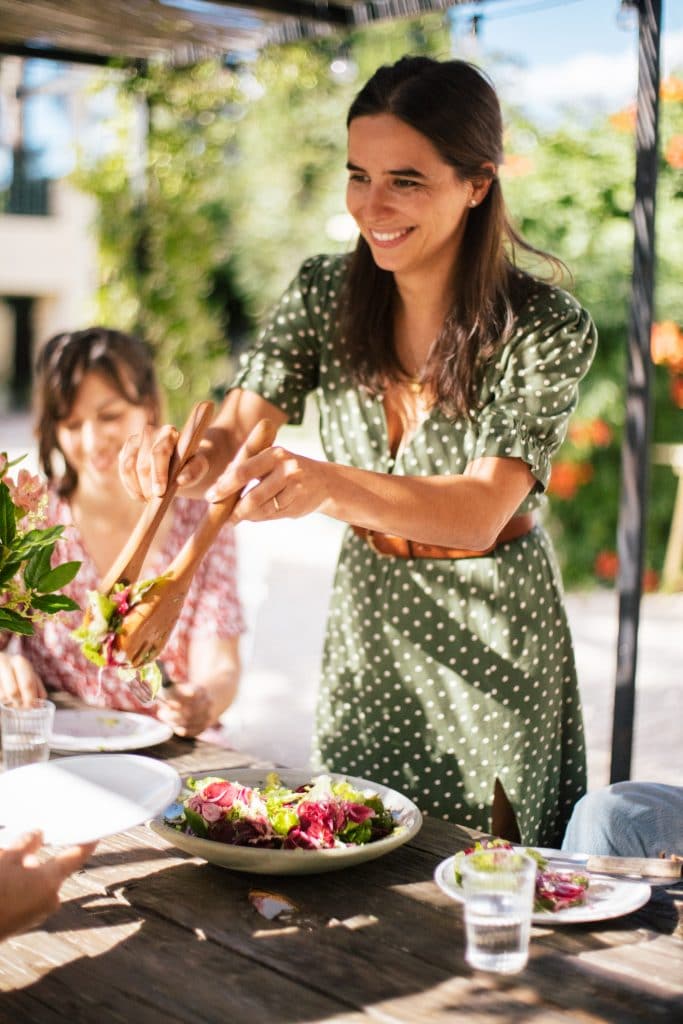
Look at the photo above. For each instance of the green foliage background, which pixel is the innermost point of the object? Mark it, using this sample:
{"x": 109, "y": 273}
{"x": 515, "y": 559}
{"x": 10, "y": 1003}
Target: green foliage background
{"x": 243, "y": 168}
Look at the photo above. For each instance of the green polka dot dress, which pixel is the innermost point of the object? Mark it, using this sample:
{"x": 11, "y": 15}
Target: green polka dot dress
{"x": 440, "y": 676}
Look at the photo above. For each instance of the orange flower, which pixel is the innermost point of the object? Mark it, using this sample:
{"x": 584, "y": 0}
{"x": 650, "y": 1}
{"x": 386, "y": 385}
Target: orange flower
{"x": 671, "y": 89}
{"x": 650, "y": 581}
{"x": 590, "y": 433}
{"x": 666, "y": 345}
{"x": 567, "y": 477}
{"x": 579, "y": 432}
{"x": 606, "y": 565}
{"x": 601, "y": 433}
{"x": 516, "y": 166}
{"x": 673, "y": 154}
{"x": 624, "y": 120}
{"x": 676, "y": 390}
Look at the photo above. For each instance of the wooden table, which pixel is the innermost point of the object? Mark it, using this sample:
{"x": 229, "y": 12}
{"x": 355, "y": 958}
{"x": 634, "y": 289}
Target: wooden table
{"x": 147, "y": 934}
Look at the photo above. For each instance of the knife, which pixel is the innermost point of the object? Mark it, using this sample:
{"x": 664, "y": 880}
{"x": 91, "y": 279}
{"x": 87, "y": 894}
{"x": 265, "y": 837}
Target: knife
{"x": 662, "y": 869}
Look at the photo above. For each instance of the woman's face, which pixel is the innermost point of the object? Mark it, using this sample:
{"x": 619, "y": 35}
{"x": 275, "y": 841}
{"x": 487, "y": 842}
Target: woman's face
{"x": 94, "y": 432}
{"x": 409, "y": 204}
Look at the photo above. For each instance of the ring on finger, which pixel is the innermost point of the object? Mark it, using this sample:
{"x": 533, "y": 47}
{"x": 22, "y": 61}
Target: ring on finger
{"x": 276, "y": 503}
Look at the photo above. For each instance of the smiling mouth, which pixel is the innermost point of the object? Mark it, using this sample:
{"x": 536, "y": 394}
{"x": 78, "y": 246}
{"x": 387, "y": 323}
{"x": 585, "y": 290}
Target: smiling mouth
{"x": 389, "y": 237}
{"x": 101, "y": 466}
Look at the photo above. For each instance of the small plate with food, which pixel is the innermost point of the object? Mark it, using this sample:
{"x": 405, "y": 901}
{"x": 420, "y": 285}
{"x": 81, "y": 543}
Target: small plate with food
{"x": 88, "y": 730}
{"x": 565, "y": 894}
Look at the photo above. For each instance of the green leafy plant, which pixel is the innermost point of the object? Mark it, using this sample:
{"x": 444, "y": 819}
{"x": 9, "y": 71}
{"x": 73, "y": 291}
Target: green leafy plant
{"x": 571, "y": 190}
{"x": 29, "y": 583}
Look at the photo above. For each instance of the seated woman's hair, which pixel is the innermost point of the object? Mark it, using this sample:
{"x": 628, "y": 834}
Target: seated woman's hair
{"x": 124, "y": 361}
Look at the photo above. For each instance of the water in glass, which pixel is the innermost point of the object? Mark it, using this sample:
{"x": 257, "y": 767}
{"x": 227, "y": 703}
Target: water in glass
{"x": 497, "y": 929}
{"x": 498, "y": 886}
{"x": 26, "y": 733}
{"x": 21, "y": 750}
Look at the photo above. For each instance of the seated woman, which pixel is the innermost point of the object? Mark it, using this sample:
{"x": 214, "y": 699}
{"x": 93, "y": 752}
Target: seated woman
{"x": 628, "y": 819}
{"x": 94, "y": 388}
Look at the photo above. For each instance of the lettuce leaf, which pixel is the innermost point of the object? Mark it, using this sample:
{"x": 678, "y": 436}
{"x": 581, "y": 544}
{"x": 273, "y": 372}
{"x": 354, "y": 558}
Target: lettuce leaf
{"x": 104, "y": 618}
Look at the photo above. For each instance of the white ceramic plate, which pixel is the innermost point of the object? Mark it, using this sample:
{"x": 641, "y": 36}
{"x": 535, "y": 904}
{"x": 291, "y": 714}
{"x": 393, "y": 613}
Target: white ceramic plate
{"x": 91, "y": 729}
{"x": 296, "y": 862}
{"x": 606, "y": 897}
{"x": 80, "y": 799}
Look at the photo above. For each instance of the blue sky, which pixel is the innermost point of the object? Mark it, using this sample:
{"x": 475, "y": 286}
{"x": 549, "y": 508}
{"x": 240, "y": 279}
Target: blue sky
{"x": 546, "y": 30}
{"x": 576, "y": 53}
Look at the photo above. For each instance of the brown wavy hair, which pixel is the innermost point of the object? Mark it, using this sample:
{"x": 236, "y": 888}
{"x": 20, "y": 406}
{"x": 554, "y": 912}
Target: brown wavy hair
{"x": 454, "y": 105}
{"x": 124, "y": 361}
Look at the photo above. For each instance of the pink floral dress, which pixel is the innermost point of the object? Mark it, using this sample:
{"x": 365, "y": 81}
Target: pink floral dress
{"x": 212, "y": 608}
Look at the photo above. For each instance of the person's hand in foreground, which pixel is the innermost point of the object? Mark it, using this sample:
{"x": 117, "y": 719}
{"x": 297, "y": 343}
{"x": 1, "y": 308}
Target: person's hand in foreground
{"x": 29, "y": 887}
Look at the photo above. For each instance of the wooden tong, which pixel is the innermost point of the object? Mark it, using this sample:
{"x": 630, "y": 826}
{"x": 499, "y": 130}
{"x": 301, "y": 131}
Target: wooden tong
{"x": 127, "y": 566}
{"x": 146, "y": 628}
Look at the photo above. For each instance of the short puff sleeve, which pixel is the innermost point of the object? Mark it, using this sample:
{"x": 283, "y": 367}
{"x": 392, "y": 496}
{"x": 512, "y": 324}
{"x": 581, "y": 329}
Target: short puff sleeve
{"x": 283, "y": 366}
{"x": 532, "y": 389}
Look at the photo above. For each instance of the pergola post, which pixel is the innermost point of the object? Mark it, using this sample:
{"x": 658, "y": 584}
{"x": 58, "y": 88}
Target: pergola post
{"x": 635, "y": 447}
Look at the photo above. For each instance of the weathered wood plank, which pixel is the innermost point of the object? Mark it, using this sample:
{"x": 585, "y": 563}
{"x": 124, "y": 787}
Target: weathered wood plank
{"x": 354, "y": 895}
{"x": 188, "y": 756}
{"x": 153, "y": 971}
{"x": 364, "y": 919}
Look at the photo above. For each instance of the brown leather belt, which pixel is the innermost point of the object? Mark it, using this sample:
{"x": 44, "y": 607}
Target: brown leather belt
{"x": 387, "y": 544}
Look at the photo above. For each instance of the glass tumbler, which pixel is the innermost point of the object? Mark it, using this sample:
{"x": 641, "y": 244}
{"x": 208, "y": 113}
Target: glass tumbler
{"x": 26, "y": 732}
{"x": 498, "y": 886}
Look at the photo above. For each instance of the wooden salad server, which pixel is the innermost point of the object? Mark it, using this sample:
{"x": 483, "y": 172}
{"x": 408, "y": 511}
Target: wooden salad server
{"x": 127, "y": 565}
{"x": 146, "y": 628}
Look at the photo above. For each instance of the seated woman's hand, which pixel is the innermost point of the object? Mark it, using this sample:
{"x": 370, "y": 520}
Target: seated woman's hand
{"x": 191, "y": 707}
{"x": 188, "y": 708}
{"x": 19, "y": 682}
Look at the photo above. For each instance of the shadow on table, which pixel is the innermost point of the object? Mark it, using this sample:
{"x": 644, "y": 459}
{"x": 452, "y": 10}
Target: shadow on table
{"x": 186, "y": 944}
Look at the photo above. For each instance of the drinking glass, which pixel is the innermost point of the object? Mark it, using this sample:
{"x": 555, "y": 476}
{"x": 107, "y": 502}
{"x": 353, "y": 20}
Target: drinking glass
{"x": 498, "y": 886}
{"x": 26, "y": 732}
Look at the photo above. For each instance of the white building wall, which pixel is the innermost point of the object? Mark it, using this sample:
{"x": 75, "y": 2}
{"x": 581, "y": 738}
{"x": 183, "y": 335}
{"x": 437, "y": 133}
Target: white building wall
{"x": 54, "y": 260}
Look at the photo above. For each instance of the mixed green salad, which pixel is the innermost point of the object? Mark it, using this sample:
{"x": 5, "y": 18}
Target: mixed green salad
{"x": 98, "y": 633}
{"x": 322, "y": 814}
{"x": 555, "y": 890}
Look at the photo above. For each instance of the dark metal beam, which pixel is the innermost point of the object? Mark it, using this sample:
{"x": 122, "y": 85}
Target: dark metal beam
{"x": 330, "y": 13}
{"x": 56, "y": 53}
{"x": 635, "y": 446}
{"x": 354, "y": 12}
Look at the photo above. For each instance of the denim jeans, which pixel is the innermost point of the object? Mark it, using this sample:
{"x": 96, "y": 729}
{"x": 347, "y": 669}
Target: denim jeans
{"x": 627, "y": 819}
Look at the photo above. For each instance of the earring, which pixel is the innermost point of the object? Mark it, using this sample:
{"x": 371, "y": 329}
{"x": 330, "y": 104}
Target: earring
{"x": 473, "y": 202}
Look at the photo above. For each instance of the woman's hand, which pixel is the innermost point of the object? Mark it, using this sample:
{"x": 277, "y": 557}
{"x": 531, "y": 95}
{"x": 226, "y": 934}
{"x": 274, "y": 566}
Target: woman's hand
{"x": 144, "y": 461}
{"x": 19, "y": 682}
{"x": 144, "y": 458}
{"x": 29, "y": 889}
{"x": 284, "y": 484}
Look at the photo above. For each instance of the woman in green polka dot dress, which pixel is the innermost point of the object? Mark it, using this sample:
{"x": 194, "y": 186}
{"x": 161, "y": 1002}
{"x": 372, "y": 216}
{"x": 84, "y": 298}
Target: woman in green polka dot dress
{"x": 445, "y": 378}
